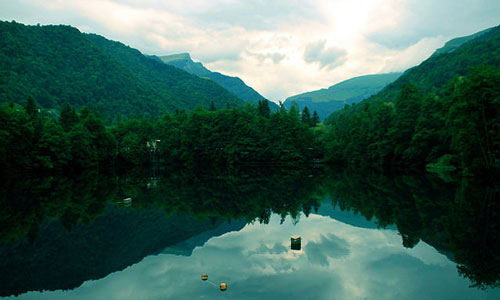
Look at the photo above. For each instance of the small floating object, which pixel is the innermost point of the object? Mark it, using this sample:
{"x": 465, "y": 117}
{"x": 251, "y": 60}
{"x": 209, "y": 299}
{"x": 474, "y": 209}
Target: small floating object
{"x": 204, "y": 277}
{"x": 223, "y": 286}
{"x": 127, "y": 201}
{"x": 295, "y": 241}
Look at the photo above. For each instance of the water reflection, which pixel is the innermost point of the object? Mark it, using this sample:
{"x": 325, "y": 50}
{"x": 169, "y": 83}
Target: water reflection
{"x": 352, "y": 263}
{"x": 375, "y": 237}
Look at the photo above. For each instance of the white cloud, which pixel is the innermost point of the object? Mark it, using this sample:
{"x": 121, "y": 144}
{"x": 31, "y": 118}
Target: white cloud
{"x": 327, "y": 57}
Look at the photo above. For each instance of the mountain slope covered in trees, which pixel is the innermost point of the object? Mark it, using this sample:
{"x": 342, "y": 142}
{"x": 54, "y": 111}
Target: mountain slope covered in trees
{"x": 326, "y": 101}
{"x": 59, "y": 64}
{"x": 432, "y": 75}
{"x": 235, "y": 85}
{"x": 443, "y": 114}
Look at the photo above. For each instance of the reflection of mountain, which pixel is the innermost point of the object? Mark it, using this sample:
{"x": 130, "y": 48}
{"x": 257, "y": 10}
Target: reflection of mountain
{"x": 348, "y": 217}
{"x": 186, "y": 247}
{"x": 58, "y": 259}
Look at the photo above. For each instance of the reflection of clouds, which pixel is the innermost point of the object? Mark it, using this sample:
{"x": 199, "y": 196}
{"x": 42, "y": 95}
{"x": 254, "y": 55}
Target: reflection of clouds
{"x": 256, "y": 263}
{"x": 328, "y": 246}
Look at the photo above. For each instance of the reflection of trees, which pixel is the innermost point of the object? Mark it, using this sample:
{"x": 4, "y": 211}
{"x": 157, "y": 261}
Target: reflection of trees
{"x": 475, "y": 234}
{"x": 52, "y": 238}
{"x": 251, "y": 193}
{"x": 27, "y": 202}
{"x": 463, "y": 221}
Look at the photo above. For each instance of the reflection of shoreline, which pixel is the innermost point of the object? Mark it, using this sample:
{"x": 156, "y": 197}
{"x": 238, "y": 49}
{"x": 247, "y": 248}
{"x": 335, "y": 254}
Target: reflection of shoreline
{"x": 58, "y": 259}
{"x": 460, "y": 220}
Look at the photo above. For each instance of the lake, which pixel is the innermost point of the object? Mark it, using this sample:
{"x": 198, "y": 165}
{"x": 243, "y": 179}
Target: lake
{"x": 363, "y": 236}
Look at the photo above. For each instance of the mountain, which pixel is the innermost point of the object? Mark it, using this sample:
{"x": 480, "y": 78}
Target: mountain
{"x": 439, "y": 115}
{"x": 58, "y": 64}
{"x": 353, "y": 90}
{"x": 455, "y": 59}
{"x": 235, "y": 85}
{"x": 453, "y": 44}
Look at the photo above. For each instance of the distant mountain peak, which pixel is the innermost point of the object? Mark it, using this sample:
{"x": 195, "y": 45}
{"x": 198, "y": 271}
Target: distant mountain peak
{"x": 234, "y": 85}
{"x": 175, "y": 57}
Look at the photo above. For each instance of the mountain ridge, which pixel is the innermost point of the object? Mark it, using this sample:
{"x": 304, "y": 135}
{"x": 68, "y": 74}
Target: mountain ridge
{"x": 349, "y": 91}
{"x": 56, "y": 64}
{"x": 233, "y": 84}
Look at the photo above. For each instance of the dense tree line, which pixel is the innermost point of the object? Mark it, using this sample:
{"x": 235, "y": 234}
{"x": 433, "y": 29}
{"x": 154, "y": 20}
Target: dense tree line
{"x": 460, "y": 129}
{"x": 32, "y": 139}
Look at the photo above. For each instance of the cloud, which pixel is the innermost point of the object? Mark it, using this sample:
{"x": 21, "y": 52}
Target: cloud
{"x": 412, "y": 20}
{"x": 328, "y": 246}
{"x": 329, "y": 58}
{"x": 275, "y": 57}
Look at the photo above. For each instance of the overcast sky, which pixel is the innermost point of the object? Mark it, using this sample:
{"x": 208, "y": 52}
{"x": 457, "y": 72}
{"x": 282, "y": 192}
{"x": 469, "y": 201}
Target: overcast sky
{"x": 279, "y": 47}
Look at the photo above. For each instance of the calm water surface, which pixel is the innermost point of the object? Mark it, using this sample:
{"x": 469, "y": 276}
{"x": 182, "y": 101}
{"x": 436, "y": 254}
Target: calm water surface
{"x": 144, "y": 253}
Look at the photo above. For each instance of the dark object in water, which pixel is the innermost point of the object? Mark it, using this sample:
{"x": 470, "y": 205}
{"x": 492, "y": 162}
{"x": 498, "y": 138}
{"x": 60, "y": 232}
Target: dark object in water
{"x": 295, "y": 242}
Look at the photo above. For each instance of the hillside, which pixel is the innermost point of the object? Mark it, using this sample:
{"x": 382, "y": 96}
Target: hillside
{"x": 441, "y": 115}
{"x": 353, "y": 90}
{"x": 432, "y": 75}
{"x": 453, "y": 44}
{"x": 58, "y": 64}
{"x": 234, "y": 85}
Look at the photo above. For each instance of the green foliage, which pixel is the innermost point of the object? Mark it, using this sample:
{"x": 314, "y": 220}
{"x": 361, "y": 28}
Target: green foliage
{"x": 474, "y": 118}
{"x": 432, "y": 75}
{"x": 58, "y": 64}
{"x": 402, "y": 127}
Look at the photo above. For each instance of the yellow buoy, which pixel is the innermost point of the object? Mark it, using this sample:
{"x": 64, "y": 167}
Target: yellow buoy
{"x": 204, "y": 277}
{"x": 223, "y": 286}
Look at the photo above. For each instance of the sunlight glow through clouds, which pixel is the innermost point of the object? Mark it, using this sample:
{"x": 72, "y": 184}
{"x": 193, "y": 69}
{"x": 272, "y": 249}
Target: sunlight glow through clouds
{"x": 279, "y": 47}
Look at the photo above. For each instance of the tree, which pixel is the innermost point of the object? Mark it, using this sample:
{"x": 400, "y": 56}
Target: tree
{"x": 212, "y": 106}
{"x": 474, "y": 118}
{"x": 306, "y": 116}
{"x": 68, "y": 117}
{"x": 30, "y": 108}
{"x": 263, "y": 108}
{"x": 314, "y": 119}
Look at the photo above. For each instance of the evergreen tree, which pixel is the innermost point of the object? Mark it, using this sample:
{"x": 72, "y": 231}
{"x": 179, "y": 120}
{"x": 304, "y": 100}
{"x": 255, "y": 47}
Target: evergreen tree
{"x": 263, "y": 108}
{"x": 314, "y": 119}
{"x": 306, "y": 116}
{"x": 68, "y": 117}
{"x": 30, "y": 107}
{"x": 212, "y": 106}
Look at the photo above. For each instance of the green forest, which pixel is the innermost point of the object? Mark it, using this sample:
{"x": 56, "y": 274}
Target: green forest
{"x": 32, "y": 140}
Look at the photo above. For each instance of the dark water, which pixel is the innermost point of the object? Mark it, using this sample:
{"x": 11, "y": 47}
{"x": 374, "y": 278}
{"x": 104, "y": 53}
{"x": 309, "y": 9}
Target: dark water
{"x": 363, "y": 236}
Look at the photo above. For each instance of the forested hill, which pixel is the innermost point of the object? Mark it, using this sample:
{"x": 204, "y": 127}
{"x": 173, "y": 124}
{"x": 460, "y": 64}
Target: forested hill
{"x": 59, "y": 64}
{"x": 432, "y": 75}
{"x": 326, "y": 101}
{"x": 443, "y": 114}
{"x": 235, "y": 85}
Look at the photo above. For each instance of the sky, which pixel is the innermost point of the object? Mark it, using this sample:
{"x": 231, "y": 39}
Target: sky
{"x": 278, "y": 47}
